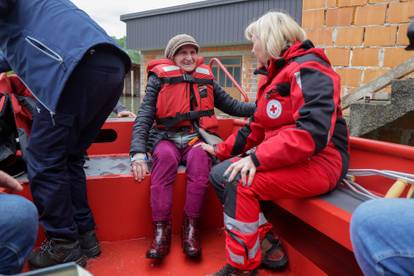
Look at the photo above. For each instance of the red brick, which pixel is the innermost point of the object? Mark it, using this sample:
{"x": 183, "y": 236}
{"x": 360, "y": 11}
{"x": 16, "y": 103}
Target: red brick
{"x": 331, "y": 3}
{"x": 349, "y": 36}
{"x": 370, "y": 15}
{"x": 400, "y": 12}
{"x": 396, "y": 56}
{"x": 380, "y": 36}
{"x": 349, "y": 3}
{"x": 313, "y": 4}
{"x": 313, "y": 18}
{"x": 402, "y": 38}
{"x": 350, "y": 77}
{"x": 372, "y": 74}
{"x": 339, "y": 17}
{"x": 365, "y": 57}
{"x": 338, "y": 56}
{"x": 321, "y": 36}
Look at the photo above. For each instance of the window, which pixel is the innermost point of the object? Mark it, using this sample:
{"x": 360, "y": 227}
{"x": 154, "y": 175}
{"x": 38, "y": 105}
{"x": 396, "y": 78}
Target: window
{"x": 233, "y": 65}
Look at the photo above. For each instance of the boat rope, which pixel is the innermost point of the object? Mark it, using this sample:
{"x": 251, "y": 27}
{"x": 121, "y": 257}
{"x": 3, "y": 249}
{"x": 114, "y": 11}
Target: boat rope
{"x": 402, "y": 181}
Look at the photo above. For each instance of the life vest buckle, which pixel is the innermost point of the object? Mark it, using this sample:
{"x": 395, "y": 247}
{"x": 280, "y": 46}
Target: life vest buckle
{"x": 188, "y": 78}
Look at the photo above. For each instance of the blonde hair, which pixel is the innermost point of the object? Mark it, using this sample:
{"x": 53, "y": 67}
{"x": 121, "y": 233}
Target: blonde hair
{"x": 276, "y": 31}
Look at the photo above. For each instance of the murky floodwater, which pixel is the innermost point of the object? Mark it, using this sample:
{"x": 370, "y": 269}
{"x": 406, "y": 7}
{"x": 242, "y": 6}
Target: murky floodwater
{"x": 131, "y": 103}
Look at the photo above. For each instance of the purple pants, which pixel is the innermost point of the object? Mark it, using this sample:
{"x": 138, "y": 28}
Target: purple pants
{"x": 166, "y": 159}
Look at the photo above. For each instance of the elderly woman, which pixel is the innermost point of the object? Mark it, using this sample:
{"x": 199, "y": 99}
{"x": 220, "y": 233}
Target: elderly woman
{"x": 180, "y": 97}
{"x": 300, "y": 136}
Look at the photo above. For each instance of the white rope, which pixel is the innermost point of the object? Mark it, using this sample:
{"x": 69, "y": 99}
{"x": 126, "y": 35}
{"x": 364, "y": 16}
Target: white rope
{"x": 358, "y": 189}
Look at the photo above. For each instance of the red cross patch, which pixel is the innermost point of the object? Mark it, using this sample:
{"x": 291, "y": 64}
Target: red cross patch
{"x": 274, "y": 109}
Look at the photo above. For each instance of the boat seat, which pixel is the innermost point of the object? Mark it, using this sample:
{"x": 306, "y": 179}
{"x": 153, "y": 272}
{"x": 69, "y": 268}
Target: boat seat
{"x": 330, "y": 214}
{"x": 106, "y": 166}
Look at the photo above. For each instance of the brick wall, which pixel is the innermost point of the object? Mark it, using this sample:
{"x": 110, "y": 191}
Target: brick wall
{"x": 362, "y": 38}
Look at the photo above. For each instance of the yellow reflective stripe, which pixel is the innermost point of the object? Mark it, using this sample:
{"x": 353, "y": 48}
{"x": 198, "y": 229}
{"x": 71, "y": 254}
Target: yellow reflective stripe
{"x": 242, "y": 227}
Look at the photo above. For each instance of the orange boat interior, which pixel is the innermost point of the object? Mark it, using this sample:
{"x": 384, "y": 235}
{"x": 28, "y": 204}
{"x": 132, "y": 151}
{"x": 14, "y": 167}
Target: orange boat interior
{"x": 314, "y": 231}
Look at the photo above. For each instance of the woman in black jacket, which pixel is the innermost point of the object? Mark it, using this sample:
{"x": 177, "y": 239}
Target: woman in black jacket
{"x": 180, "y": 98}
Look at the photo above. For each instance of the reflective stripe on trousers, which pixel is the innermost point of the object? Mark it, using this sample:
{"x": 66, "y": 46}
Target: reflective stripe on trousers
{"x": 239, "y": 259}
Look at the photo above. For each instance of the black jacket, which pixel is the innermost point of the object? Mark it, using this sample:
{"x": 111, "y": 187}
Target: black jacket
{"x": 145, "y": 137}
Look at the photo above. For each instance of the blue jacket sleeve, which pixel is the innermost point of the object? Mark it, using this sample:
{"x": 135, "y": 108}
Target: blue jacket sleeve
{"x": 4, "y": 65}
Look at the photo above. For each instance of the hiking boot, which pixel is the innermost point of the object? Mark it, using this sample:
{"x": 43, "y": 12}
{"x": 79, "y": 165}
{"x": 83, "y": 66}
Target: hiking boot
{"x": 89, "y": 244}
{"x": 190, "y": 237}
{"x": 273, "y": 254}
{"x": 161, "y": 242}
{"x": 57, "y": 251}
{"x": 228, "y": 270}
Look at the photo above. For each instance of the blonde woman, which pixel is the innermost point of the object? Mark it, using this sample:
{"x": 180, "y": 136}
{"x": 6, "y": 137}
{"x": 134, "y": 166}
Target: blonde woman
{"x": 300, "y": 140}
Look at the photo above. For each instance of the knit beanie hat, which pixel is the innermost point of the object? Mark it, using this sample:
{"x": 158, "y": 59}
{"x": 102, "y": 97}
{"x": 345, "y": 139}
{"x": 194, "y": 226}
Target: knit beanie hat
{"x": 178, "y": 41}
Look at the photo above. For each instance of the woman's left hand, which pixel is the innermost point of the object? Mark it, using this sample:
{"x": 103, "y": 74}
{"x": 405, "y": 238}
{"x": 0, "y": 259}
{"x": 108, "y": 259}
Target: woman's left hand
{"x": 126, "y": 114}
{"x": 206, "y": 147}
{"x": 245, "y": 167}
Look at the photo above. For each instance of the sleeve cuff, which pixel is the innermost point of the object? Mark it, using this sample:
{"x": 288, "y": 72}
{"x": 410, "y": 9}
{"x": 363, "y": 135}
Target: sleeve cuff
{"x": 254, "y": 159}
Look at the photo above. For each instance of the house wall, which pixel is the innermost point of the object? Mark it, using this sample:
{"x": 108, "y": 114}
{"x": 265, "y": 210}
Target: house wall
{"x": 363, "y": 38}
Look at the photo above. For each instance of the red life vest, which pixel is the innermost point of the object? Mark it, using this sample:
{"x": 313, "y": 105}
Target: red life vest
{"x": 184, "y": 97}
{"x": 15, "y": 98}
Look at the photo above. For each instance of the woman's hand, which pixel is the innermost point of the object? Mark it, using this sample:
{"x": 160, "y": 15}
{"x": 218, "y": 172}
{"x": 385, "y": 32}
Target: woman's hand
{"x": 245, "y": 167}
{"x": 208, "y": 148}
{"x": 6, "y": 181}
{"x": 126, "y": 114}
{"x": 139, "y": 166}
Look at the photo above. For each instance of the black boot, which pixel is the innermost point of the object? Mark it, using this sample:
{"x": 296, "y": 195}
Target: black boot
{"x": 57, "y": 251}
{"x": 190, "y": 237}
{"x": 161, "y": 242}
{"x": 89, "y": 244}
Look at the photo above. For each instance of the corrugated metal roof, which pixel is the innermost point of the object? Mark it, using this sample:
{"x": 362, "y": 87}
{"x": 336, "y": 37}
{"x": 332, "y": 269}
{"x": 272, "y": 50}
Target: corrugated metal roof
{"x": 212, "y": 23}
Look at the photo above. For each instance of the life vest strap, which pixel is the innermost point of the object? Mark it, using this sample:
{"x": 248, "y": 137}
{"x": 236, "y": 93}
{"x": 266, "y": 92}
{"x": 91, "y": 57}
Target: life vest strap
{"x": 185, "y": 78}
{"x": 169, "y": 122}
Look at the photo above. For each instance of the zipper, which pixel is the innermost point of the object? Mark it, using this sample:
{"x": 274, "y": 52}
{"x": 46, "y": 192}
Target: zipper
{"x": 44, "y": 49}
{"x": 52, "y": 113}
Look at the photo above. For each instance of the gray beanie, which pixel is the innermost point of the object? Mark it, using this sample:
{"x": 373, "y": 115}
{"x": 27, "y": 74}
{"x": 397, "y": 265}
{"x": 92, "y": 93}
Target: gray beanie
{"x": 178, "y": 41}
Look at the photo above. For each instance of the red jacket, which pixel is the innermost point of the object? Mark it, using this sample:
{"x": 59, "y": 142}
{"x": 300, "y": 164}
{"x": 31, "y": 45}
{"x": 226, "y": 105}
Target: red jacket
{"x": 184, "y": 97}
{"x": 298, "y": 114}
{"x": 15, "y": 98}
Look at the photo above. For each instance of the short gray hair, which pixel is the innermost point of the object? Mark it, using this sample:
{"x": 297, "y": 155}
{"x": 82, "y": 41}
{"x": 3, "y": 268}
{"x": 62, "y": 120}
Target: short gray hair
{"x": 276, "y": 31}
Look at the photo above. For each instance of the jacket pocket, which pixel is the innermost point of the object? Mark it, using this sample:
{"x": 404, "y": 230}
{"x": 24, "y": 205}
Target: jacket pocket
{"x": 43, "y": 48}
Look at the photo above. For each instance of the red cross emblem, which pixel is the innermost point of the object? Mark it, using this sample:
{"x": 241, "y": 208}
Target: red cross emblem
{"x": 274, "y": 109}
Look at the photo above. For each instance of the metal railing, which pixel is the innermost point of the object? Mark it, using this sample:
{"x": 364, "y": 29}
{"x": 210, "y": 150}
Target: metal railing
{"x": 222, "y": 67}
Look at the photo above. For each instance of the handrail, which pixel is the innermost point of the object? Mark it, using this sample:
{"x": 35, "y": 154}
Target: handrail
{"x": 242, "y": 92}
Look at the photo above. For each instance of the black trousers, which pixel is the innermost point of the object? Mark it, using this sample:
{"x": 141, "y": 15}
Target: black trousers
{"x": 58, "y": 143}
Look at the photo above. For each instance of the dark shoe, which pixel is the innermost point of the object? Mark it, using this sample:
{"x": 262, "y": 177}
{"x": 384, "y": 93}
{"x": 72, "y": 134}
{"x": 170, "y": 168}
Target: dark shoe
{"x": 190, "y": 237}
{"x": 273, "y": 255}
{"x": 161, "y": 242}
{"x": 228, "y": 270}
{"x": 89, "y": 244}
{"x": 57, "y": 251}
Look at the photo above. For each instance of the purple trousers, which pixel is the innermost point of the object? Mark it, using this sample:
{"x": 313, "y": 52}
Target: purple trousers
{"x": 166, "y": 158}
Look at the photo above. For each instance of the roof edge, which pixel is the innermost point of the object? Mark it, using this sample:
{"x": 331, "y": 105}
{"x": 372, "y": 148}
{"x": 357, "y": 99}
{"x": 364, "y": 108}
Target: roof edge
{"x": 179, "y": 8}
{"x": 202, "y": 46}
